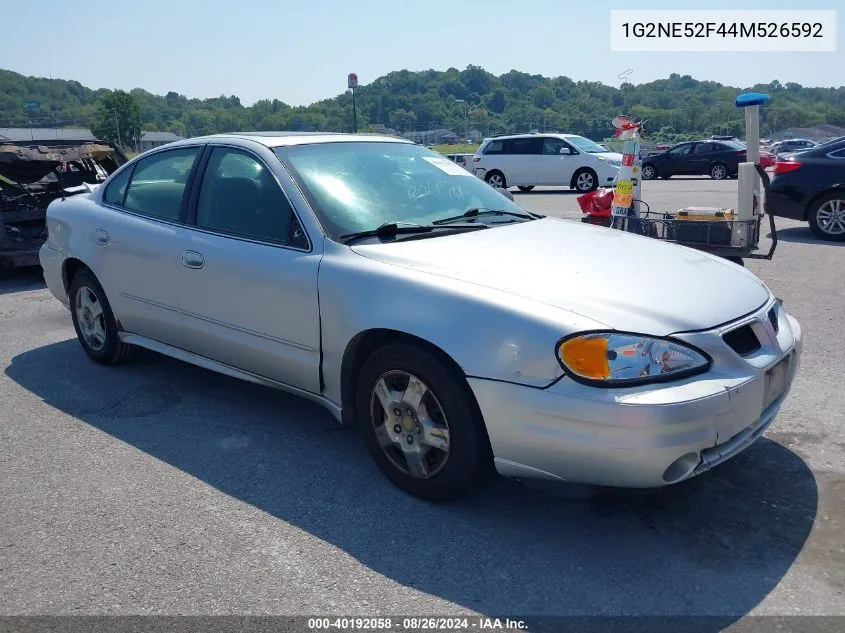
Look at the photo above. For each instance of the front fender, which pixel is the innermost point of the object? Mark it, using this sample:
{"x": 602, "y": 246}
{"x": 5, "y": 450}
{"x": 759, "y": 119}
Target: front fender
{"x": 488, "y": 333}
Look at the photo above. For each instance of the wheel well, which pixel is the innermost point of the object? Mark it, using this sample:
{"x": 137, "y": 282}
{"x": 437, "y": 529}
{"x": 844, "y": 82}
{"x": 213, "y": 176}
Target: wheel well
{"x": 815, "y": 199}
{"x": 364, "y": 344}
{"x": 578, "y": 171}
{"x": 69, "y": 269}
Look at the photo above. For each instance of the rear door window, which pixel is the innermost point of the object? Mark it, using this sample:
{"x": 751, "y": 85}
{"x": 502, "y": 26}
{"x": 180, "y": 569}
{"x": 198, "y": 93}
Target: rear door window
{"x": 526, "y": 146}
{"x": 158, "y": 184}
{"x": 116, "y": 189}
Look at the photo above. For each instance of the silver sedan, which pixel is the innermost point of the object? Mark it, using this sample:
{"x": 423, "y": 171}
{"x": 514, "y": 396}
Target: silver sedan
{"x": 463, "y": 334}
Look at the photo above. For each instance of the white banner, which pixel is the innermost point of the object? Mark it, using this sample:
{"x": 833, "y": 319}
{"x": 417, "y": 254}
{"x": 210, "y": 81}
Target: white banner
{"x": 723, "y": 31}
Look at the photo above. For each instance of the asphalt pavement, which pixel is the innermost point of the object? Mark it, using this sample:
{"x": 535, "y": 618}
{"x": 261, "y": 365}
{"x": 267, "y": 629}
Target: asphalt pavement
{"x": 160, "y": 488}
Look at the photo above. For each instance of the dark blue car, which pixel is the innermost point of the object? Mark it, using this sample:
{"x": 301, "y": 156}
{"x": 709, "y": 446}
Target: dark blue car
{"x": 810, "y": 186}
{"x": 718, "y": 159}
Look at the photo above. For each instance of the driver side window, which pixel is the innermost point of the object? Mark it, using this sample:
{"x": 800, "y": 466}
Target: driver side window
{"x": 239, "y": 196}
{"x": 552, "y": 147}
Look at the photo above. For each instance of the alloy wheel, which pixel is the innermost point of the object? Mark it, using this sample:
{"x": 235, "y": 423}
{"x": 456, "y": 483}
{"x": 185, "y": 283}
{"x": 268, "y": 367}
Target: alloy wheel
{"x": 89, "y": 314}
{"x": 585, "y": 181}
{"x": 718, "y": 172}
{"x": 831, "y": 217}
{"x": 496, "y": 181}
{"x": 410, "y": 425}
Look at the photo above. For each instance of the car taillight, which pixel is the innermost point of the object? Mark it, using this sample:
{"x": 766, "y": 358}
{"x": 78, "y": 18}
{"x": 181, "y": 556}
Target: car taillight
{"x": 784, "y": 166}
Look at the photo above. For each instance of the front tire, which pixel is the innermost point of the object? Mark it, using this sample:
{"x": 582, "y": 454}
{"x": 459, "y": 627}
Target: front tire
{"x": 827, "y": 217}
{"x": 585, "y": 180}
{"x": 420, "y": 423}
{"x": 94, "y": 321}
{"x": 525, "y": 188}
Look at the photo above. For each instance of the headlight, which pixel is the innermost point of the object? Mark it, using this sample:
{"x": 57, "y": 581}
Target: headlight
{"x": 619, "y": 359}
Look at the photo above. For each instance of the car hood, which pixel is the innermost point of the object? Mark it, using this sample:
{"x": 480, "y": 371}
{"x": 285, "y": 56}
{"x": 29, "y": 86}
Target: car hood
{"x": 608, "y": 155}
{"x": 621, "y": 280}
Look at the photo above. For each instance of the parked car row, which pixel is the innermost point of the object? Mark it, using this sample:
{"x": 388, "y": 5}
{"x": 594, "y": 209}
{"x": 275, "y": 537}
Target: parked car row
{"x": 782, "y": 149}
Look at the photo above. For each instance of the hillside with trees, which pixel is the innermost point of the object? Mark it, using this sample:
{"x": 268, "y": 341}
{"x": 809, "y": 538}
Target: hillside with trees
{"x": 467, "y": 102}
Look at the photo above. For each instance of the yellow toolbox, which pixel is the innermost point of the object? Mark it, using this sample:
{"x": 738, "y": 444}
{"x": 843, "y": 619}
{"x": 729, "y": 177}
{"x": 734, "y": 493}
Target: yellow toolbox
{"x": 705, "y": 214}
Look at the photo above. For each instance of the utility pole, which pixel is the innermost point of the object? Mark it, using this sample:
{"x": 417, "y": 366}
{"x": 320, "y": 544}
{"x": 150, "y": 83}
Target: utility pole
{"x": 117, "y": 127}
{"x": 352, "y": 84}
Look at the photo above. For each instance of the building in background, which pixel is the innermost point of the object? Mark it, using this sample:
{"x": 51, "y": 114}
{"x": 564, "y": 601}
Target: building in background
{"x": 149, "y": 140}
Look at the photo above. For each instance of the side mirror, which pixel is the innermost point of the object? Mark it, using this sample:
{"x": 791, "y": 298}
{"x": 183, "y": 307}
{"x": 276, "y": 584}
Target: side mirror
{"x": 507, "y": 194}
{"x": 565, "y": 151}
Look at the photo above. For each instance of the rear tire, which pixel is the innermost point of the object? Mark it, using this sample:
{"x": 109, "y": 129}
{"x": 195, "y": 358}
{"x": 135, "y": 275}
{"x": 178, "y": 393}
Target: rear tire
{"x": 719, "y": 171}
{"x": 585, "y": 180}
{"x": 827, "y": 217}
{"x": 649, "y": 172}
{"x": 94, "y": 321}
{"x": 496, "y": 179}
{"x": 442, "y": 470}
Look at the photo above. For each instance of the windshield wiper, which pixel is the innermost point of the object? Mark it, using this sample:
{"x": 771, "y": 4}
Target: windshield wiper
{"x": 475, "y": 212}
{"x": 392, "y": 229}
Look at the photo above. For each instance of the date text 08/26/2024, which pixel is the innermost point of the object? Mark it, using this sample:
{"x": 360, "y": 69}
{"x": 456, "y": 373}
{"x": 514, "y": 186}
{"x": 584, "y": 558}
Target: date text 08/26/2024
{"x": 479, "y": 623}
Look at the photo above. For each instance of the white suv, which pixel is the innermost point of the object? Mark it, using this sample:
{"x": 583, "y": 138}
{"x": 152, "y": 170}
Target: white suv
{"x": 555, "y": 160}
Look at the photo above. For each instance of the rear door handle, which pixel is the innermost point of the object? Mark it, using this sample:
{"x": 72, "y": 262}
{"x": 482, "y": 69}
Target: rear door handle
{"x": 101, "y": 237}
{"x": 192, "y": 259}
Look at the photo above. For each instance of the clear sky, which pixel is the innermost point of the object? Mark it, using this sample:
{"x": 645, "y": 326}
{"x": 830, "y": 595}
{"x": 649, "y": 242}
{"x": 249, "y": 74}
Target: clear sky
{"x": 301, "y": 51}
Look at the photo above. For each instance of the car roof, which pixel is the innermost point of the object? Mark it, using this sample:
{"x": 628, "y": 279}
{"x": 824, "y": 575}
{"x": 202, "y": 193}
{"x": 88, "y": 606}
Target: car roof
{"x": 531, "y": 135}
{"x": 280, "y": 138}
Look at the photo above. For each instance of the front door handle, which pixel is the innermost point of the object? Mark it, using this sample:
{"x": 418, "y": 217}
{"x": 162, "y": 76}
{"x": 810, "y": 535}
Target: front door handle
{"x": 101, "y": 237}
{"x": 192, "y": 259}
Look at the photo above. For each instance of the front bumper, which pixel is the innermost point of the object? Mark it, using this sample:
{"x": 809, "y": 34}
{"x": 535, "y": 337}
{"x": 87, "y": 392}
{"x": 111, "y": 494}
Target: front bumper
{"x": 636, "y": 437}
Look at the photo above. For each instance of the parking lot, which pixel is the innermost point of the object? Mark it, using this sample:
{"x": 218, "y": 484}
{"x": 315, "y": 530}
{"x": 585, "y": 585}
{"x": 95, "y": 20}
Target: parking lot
{"x": 161, "y": 488}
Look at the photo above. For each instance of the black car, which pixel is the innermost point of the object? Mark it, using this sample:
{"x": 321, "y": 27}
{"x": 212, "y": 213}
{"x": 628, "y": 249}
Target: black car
{"x": 717, "y": 159}
{"x": 810, "y": 186}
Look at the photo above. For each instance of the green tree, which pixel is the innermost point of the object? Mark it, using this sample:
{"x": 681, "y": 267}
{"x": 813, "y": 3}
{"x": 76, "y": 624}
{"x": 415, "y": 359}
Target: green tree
{"x": 498, "y": 103}
{"x": 119, "y": 119}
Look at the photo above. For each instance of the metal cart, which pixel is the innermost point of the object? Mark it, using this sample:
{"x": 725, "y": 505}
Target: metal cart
{"x": 734, "y": 240}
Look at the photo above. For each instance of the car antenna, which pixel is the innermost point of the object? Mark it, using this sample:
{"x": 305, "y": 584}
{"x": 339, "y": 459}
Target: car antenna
{"x": 623, "y": 78}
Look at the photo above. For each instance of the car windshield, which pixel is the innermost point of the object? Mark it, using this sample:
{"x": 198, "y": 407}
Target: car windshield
{"x": 586, "y": 145}
{"x": 358, "y": 186}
